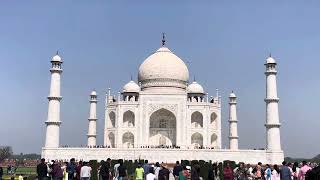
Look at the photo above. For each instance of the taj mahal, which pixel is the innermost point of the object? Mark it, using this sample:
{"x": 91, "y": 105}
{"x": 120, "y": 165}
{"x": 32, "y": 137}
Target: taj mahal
{"x": 163, "y": 117}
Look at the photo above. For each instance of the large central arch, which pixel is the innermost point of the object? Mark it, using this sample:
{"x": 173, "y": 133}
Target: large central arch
{"x": 162, "y": 128}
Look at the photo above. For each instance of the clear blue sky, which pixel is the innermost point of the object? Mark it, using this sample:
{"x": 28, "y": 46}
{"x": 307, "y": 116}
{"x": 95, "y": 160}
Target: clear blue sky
{"x": 102, "y": 43}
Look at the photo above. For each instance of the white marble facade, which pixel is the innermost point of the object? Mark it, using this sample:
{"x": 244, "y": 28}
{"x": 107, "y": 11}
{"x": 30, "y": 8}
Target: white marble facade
{"x": 164, "y": 110}
{"x": 163, "y": 117}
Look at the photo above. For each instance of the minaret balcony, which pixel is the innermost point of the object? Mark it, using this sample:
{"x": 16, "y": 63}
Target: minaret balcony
{"x": 55, "y": 70}
{"x": 55, "y": 98}
{"x": 272, "y": 125}
{"x": 269, "y": 100}
{"x": 92, "y": 119}
{"x": 92, "y": 135}
{"x": 53, "y": 123}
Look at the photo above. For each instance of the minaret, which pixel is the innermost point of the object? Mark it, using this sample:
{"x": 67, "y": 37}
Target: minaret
{"x": 53, "y": 122}
{"x": 92, "y": 135}
{"x": 272, "y": 114}
{"x": 233, "y": 122}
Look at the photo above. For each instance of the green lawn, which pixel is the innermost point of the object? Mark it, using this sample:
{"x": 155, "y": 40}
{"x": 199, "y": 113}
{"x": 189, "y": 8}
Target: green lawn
{"x": 23, "y": 170}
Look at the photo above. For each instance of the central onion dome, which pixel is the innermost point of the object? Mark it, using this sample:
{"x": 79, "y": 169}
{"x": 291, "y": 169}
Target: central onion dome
{"x": 163, "y": 69}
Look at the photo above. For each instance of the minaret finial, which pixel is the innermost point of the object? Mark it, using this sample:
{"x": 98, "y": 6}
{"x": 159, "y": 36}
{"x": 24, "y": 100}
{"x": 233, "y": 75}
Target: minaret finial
{"x": 270, "y": 55}
{"x": 194, "y": 78}
{"x": 57, "y": 53}
{"x": 163, "y": 39}
{"x": 131, "y": 77}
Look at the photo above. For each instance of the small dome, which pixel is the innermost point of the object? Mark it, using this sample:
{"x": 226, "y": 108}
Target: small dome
{"x": 93, "y": 93}
{"x": 195, "y": 88}
{"x": 232, "y": 95}
{"x": 164, "y": 68}
{"x": 56, "y": 58}
{"x": 270, "y": 60}
{"x": 131, "y": 87}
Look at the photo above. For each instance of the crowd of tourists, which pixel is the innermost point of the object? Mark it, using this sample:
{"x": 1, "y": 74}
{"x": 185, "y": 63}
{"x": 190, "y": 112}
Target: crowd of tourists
{"x": 147, "y": 147}
{"x": 73, "y": 170}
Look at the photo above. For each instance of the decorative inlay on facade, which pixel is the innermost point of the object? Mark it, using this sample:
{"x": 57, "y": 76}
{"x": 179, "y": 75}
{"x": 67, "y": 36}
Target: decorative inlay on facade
{"x": 164, "y": 82}
{"x": 154, "y": 107}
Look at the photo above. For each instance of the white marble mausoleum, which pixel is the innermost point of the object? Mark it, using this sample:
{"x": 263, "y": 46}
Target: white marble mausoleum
{"x": 163, "y": 117}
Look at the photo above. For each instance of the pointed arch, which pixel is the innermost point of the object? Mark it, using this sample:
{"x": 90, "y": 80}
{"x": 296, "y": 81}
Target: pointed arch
{"x": 197, "y": 139}
{"x": 128, "y": 139}
{"x": 111, "y": 139}
{"x": 214, "y": 139}
{"x": 213, "y": 120}
{"x": 162, "y": 128}
{"x": 196, "y": 120}
{"x": 128, "y": 119}
{"x": 112, "y": 119}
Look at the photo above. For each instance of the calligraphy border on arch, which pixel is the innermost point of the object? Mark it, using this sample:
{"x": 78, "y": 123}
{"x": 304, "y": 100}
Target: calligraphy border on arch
{"x": 155, "y": 107}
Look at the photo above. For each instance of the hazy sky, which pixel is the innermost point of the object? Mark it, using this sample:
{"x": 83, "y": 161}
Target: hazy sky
{"x": 102, "y": 43}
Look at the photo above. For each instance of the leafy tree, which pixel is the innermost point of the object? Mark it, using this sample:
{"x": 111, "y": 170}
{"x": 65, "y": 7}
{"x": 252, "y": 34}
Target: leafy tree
{"x": 5, "y": 152}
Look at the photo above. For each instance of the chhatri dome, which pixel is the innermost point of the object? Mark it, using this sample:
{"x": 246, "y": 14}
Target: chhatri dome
{"x": 56, "y": 58}
{"x": 195, "y": 88}
{"x": 131, "y": 86}
{"x": 163, "y": 69}
{"x": 270, "y": 60}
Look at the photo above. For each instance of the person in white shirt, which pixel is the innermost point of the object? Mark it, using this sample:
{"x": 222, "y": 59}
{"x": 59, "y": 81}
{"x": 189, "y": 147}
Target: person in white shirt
{"x": 85, "y": 172}
{"x": 157, "y": 169}
{"x": 20, "y": 177}
{"x": 150, "y": 175}
{"x": 115, "y": 170}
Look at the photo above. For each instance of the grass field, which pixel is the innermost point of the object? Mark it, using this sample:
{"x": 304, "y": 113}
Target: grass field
{"x": 23, "y": 170}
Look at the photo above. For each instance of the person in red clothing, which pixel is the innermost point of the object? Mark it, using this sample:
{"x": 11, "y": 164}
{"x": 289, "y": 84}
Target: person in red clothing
{"x": 78, "y": 169}
{"x": 227, "y": 172}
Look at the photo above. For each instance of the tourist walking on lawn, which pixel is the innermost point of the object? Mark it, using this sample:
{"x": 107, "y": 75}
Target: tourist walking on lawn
{"x": 85, "y": 172}
{"x": 212, "y": 174}
{"x": 164, "y": 173}
{"x": 150, "y": 175}
{"x": 65, "y": 172}
{"x": 156, "y": 170}
{"x": 57, "y": 173}
{"x": 42, "y": 170}
{"x": 139, "y": 172}
{"x": 104, "y": 170}
{"x": 227, "y": 172}
{"x": 122, "y": 171}
{"x": 1, "y": 172}
{"x": 303, "y": 170}
{"x": 285, "y": 173}
{"x": 115, "y": 169}
{"x": 195, "y": 172}
{"x": 276, "y": 172}
{"x": 176, "y": 170}
{"x": 146, "y": 167}
{"x": 268, "y": 173}
{"x": 295, "y": 170}
{"x": 184, "y": 174}
{"x": 78, "y": 170}
{"x": 71, "y": 169}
